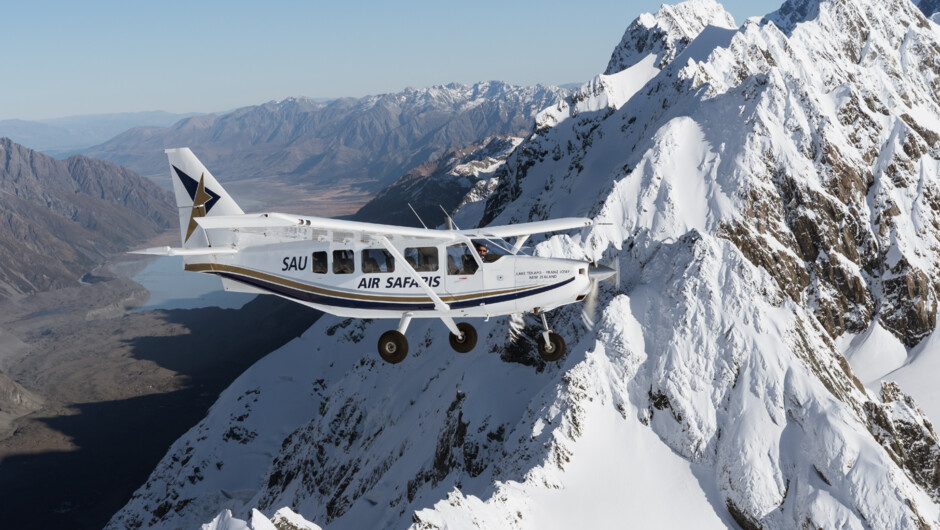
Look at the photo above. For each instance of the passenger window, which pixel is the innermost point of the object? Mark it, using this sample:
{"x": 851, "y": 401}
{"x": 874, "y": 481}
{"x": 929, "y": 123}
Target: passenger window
{"x": 423, "y": 259}
{"x": 377, "y": 260}
{"x": 343, "y": 262}
{"x": 460, "y": 261}
{"x": 318, "y": 263}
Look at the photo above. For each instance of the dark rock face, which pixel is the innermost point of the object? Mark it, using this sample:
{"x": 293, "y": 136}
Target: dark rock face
{"x": 58, "y": 219}
{"x": 907, "y": 435}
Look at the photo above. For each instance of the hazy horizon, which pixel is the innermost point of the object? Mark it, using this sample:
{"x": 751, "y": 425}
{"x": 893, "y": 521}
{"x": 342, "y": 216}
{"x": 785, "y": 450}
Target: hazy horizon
{"x": 72, "y": 59}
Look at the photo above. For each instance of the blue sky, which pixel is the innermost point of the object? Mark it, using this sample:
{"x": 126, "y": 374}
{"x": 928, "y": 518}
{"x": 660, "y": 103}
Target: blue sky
{"x": 64, "y": 58}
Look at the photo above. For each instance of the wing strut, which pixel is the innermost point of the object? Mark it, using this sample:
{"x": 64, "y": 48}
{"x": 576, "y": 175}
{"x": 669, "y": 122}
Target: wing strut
{"x": 438, "y": 303}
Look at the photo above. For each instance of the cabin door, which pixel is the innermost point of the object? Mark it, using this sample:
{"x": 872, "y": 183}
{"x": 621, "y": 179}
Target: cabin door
{"x": 462, "y": 274}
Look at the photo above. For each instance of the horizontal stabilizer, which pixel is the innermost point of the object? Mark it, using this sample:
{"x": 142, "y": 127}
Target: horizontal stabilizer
{"x": 168, "y": 251}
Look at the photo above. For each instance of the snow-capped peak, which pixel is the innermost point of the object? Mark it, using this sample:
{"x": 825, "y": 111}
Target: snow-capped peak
{"x": 665, "y": 34}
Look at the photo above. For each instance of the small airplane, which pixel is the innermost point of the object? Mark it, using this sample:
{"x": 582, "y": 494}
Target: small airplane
{"x": 369, "y": 270}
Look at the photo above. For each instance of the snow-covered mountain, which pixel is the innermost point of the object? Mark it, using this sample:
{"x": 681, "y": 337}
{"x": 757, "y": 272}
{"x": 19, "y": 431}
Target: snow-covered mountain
{"x": 771, "y": 193}
{"x": 659, "y": 38}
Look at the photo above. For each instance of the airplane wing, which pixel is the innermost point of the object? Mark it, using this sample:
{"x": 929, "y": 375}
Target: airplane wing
{"x": 282, "y": 220}
{"x": 376, "y": 230}
{"x": 526, "y": 229}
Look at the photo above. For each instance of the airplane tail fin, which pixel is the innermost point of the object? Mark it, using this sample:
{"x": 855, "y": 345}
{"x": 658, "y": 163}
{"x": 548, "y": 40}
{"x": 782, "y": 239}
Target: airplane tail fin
{"x": 198, "y": 194}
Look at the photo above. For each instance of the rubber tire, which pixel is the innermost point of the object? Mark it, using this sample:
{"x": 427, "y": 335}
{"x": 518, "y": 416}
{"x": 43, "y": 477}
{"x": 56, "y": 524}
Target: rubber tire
{"x": 393, "y": 347}
{"x": 553, "y": 352}
{"x": 469, "y": 338}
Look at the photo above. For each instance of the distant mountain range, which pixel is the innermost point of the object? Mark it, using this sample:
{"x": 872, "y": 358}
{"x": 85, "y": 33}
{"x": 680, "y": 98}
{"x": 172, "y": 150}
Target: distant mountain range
{"x": 60, "y": 218}
{"x": 367, "y": 143}
{"x": 63, "y": 136}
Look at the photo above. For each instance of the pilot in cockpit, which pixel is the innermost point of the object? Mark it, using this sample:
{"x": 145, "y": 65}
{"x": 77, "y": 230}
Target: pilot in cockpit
{"x": 485, "y": 254}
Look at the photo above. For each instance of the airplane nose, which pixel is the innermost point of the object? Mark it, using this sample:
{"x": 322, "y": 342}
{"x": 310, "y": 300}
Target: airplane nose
{"x": 600, "y": 272}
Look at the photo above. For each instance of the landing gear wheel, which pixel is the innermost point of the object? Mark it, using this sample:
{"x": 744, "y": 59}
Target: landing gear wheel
{"x": 393, "y": 347}
{"x": 467, "y": 342}
{"x": 554, "y": 350}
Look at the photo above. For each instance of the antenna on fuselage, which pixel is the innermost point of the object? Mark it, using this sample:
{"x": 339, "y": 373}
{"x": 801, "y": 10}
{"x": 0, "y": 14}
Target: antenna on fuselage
{"x": 416, "y": 215}
{"x": 451, "y": 225}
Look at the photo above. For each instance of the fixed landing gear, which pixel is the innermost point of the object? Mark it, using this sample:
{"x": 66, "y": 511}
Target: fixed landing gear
{"x": 393, "y": 346}
{"x": 467, "y": 339}
{"x": 551, "y": 346}
{"x": 553, "y": 349}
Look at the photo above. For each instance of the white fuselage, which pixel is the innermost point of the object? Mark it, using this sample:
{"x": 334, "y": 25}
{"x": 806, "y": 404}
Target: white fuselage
{"x": 344, "y": 277}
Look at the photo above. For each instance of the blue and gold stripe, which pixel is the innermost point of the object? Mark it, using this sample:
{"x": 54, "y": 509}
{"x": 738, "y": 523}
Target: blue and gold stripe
{"x": 329, "y": 297}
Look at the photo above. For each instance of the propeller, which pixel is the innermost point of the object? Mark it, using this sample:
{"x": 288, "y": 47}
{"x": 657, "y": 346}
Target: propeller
{"x": 516, "y": 325}
{"x": 597, "y": 273}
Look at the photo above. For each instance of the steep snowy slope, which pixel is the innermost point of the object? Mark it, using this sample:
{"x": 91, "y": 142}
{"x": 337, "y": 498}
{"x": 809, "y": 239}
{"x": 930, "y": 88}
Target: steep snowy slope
{"x": 769, "y": 190}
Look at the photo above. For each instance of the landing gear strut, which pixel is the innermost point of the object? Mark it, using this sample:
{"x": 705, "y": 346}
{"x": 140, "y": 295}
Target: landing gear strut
{"x": 551, "y": 345}
{"x": 393, "y": 346}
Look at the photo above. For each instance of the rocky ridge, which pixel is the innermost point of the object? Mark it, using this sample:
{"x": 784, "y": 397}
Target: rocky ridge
{"x": 665, "y": 34}
{"x": 809, "y": 106}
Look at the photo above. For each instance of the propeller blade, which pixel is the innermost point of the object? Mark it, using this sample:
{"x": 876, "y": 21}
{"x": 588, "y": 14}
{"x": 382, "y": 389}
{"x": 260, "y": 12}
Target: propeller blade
{"x": 516, "y": 325}
{"x": 600, "y": 272}
{"x": 590, "y": 305}
{"x": 597, "y": 273}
